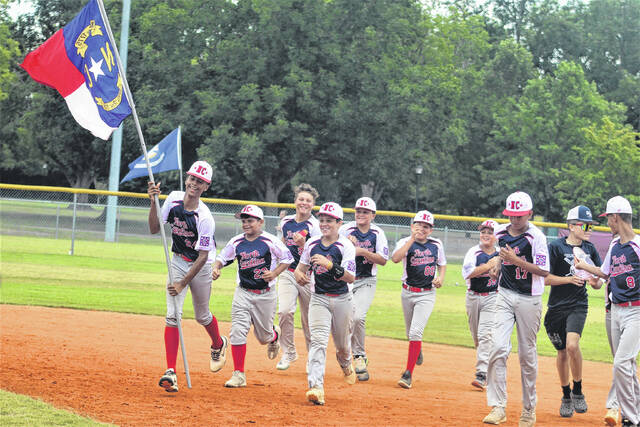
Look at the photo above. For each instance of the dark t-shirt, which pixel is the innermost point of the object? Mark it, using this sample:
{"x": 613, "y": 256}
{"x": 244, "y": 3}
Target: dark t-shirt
{"x": 561, "y": 264}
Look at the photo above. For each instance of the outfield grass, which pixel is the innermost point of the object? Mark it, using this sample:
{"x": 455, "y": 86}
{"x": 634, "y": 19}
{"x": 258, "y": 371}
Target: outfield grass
{"x": 129, "y": 278}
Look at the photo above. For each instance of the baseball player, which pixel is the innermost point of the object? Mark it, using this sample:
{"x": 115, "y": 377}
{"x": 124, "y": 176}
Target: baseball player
{"x": 261, "y": 258}
{"x": 524, "y": 265}
{"x": 371, "y": 250}
{"x": 421, "y": 256}
{"x": 331, "y": 258}
{"x": 194, "y": 248}
{"x": 622, "y": 266}
{"x": 481, "y": 296}
{"x": 297, "y": 229}
{"x": 568, "y": 305}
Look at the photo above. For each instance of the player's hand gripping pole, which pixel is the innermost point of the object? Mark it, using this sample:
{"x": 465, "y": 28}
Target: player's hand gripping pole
{"x": 156, "y": 200}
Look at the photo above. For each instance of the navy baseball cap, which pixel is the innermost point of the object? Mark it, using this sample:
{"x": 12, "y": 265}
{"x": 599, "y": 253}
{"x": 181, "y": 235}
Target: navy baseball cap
{"x": 580, "y": 213}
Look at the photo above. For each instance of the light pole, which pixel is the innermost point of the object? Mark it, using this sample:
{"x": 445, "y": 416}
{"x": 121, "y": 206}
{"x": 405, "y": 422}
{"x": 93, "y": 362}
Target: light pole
{"x": 418, "y": 171}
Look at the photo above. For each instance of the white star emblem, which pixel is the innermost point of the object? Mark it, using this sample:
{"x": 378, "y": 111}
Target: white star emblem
{"x": 96, "y": 69}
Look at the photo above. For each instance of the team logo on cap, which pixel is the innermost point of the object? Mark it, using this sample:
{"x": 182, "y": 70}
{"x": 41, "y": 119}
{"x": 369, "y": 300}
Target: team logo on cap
{"x": 366, "y": 203}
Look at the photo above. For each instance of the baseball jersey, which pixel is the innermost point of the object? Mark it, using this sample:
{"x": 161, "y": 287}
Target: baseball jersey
{"x": 531, "y": 246}
{"x": 254, "y": 258}
{"x": 373, "y": 240}
{"x": 289, "y": 227}
{"x": 419, "y": 265}
{"x": 341, "y": 252}
{"x": 561, "y": 264}
{"x": 622, "y": 264}
{"x": 191, "y": 231}
{"x": 474, "y": 258}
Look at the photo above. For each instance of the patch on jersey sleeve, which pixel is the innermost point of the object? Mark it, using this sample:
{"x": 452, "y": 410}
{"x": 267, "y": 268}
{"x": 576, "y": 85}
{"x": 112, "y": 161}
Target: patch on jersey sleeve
{"x": 386, "y": 251}
{"x": 351, "y": 266}
{"x": 205, "y": 241}
{"x": 541, "y": 260}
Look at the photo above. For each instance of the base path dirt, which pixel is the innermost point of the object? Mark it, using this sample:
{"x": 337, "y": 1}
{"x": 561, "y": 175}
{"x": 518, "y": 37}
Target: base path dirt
{"x": 107, "y": 366}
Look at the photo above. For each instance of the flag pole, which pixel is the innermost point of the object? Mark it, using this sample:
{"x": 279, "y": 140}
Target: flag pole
{"x": 134, "y": 113}
{"x": 180, "y": 155}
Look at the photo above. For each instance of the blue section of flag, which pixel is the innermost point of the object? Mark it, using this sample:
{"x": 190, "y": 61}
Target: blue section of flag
{"x": 162, "y": 157}
{"x": 87, "y": 44}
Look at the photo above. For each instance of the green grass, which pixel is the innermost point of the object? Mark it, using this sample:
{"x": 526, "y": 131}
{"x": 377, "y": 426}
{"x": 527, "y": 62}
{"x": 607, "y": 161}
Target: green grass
{"x": 17, "y": 410}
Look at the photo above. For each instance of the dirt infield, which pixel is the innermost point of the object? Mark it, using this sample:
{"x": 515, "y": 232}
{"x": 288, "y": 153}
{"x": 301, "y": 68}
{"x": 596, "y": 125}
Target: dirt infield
{"x": 107, "y": 365}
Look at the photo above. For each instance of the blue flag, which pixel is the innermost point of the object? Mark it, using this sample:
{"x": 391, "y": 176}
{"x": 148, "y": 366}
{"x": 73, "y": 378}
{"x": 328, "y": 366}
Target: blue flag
{"x": 164, "y": 156}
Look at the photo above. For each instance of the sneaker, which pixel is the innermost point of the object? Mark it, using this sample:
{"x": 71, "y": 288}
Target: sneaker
{"x": 579, "y": 403}
{"x": 612, "y": 417}
{"x": 316, "y": 396}
{"x": 169, "y": 381}
{"x": 238, "y": 379}
{"x": 349, "y": 375}
{"x": 496, "y": 416}
{"x": 566, "y": 407}
{"x": 274, "y": 347}
{"x": 286, "y": 361}
{"x": 480, "y": 381}
{"x": 627, "y": 423}
{"x": 405, "y": 380}
{"x": 420, "y": 359}
{"x": 527, "y": 418}
{"x": 219, "y": 356}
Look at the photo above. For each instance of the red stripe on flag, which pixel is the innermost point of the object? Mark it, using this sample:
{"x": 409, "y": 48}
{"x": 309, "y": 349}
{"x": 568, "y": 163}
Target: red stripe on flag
{"x": 50, "y": 65}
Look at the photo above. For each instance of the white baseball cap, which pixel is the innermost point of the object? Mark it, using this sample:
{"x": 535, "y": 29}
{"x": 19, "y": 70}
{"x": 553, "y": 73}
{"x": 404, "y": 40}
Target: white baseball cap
{"x": 488, "y": 224}
{"x": 424, "y": 216}
{"x": 250, "y": 210}
{"x": 580, "y": 213}
{"x": 618, "y": 204}
{"x": 366, "y": 203}
{"x": 518, "y": 204}
{"x": 331, "y": 209}
{"x": 202, "y": 170}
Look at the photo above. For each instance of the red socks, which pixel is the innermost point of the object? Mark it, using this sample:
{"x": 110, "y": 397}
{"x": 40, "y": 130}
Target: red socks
{"x": 238, "y": 352}
{"x": 171, "y": 342}
{"x": 214, "y": 333}
{"x": 414, "y": 352}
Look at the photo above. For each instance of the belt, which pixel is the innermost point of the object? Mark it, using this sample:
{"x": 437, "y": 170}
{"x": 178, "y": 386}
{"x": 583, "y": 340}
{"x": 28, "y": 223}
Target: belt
{"x": 635, "y": 303}
{"x": 257, "y": 291}
{"x": 332, "y": 295}
{"x": 482, "y": 294}
{"x": 185, "y": 258}
{"x": 412, "y": 289}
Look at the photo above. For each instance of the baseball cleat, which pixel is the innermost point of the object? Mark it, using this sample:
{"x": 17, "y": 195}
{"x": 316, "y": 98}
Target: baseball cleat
{"x": 527, "y": 418}
{"x": 480, "y": 381}
{"x": 169, "y": 381}
{"x": 274, "y": 347}
{"x": 315, "y": 395}
{"x": 420, "y": 359}
{"x": 360, "y": 364}
{"x": 238, "y": 379}
{"x": 286, "y": 361}
{"x": 219, "y": 356}
{"x": 627, "y": 423}
{"x": 405, "y": 380}
{"x": 349, "y": 375}
{"x": 566, "y": 408}
{"x": 496, "y": 416}
{"x": 612, "y": 417}
{"x": 579, "y": 404}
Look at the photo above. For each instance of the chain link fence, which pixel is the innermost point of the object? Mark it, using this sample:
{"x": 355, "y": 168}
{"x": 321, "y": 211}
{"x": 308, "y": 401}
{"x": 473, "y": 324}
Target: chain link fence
{"x": 67, "y": 213}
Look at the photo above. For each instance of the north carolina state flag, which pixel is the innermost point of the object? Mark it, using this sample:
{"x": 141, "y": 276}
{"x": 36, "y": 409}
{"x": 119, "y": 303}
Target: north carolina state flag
{"x": 78, "y": 61}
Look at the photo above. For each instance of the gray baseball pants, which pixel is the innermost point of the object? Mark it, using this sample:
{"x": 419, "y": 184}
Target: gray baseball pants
{"x": 481, "y": 311}
{"x": 612, "y": 400}
{"x": 524, "y": 311}
{"x": 329, "y": 315}
{"x": 625, "y": 334}
{"x": 363, "y": 292}
{"x": 417, "y": 308}
{"x": 248, "y": 308}
{"x": 200, "y": 287}
{"x": 288, "y": 292}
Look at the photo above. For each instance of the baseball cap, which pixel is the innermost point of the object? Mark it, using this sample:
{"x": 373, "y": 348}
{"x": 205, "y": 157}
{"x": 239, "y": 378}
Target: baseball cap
{"x": 366, "y": 203}
{"x": 518, "y": 204}
{"x": 618, "y": 204}
{"x": 488, "y": 224}
{"x": 332, "y": 209}
{"x": 202, "y": 170}
{"x": 424, "y": 216}
{"x": 580, "y": 213}
{"x": 250, "y": 210}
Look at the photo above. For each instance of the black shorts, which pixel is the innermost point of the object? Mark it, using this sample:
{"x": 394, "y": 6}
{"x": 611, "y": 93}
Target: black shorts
{"x": 558, "y": 322}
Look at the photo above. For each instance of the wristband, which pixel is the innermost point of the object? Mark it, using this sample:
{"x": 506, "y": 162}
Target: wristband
{"x": 337, "y": 271}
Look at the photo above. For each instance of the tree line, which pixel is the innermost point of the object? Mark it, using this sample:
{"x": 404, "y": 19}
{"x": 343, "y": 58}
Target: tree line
{"x": 537, "y": 95}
